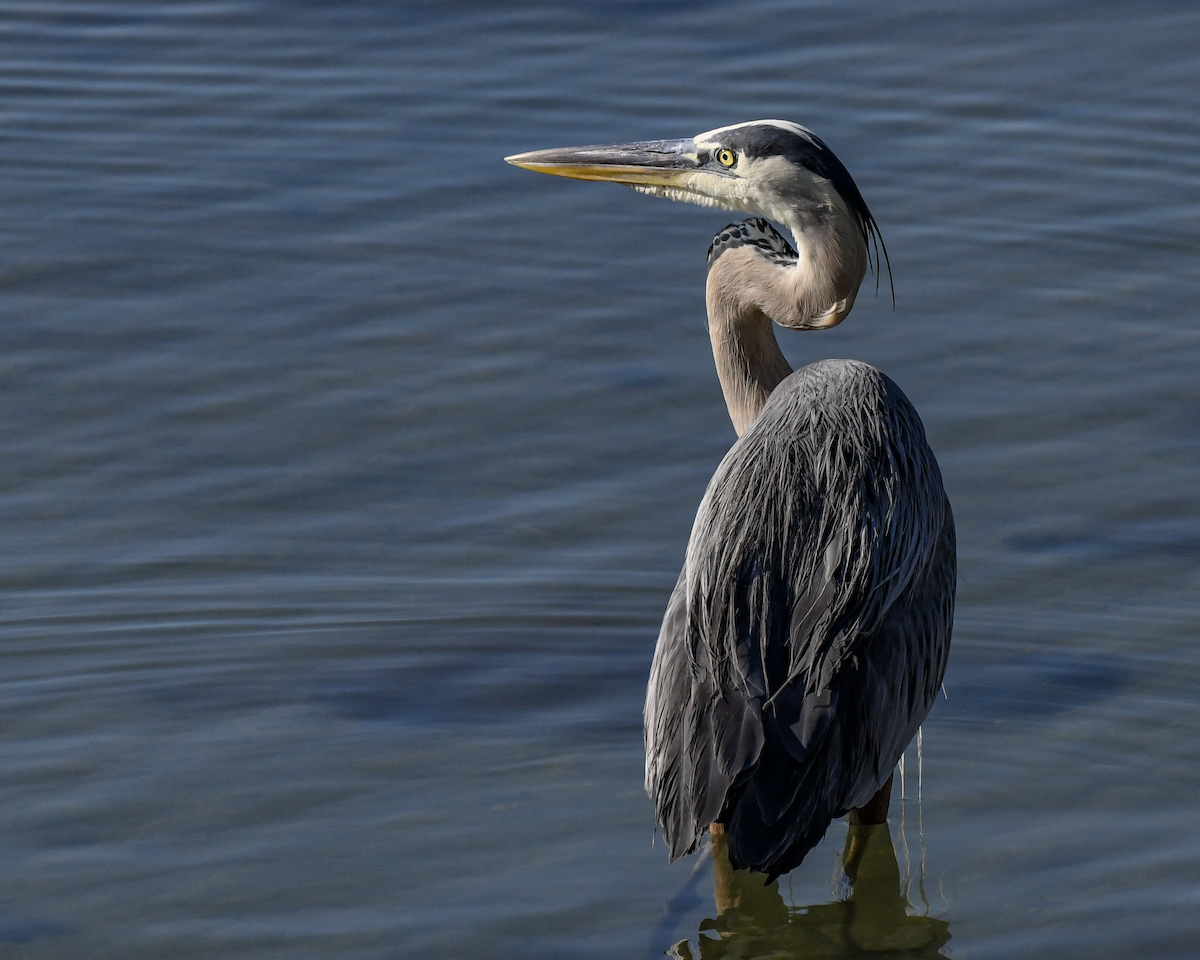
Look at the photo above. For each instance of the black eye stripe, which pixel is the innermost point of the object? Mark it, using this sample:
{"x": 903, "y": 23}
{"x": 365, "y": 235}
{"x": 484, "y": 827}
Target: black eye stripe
{"x": 803, "y": 148}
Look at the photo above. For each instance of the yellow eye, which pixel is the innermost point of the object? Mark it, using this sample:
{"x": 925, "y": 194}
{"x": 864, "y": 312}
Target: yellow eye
{"x": 726, "y": 157}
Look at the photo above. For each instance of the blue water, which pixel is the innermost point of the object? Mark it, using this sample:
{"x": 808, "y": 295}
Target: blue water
{"x": 346, "y": 470}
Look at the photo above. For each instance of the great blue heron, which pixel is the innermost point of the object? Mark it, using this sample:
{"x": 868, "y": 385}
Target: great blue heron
{"x": 807, "y": 636}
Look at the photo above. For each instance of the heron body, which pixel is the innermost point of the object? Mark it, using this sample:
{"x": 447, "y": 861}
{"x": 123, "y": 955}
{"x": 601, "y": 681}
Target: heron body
{"x": 807, "y": 635}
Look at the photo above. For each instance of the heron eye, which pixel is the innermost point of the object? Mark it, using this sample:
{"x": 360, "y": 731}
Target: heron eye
{"x": 726, "y": 157}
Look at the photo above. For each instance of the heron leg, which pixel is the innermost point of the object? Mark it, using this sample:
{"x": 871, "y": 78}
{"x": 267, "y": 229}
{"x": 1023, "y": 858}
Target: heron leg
{"x": 874, "y": 810}
{"x": 744, "y": 898}
{"x": 723, "y": 888}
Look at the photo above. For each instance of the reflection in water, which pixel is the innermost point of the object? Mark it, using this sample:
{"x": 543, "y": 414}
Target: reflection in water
{"x": 753, "y": 920}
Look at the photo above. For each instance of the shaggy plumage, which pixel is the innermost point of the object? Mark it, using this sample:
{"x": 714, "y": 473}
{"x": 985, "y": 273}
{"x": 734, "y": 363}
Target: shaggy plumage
{"x": 808, "y": 633}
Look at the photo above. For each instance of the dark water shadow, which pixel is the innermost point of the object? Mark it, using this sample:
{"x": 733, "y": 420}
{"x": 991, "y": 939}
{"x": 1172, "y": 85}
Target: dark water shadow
{"x": 1035, "y": 685}
{"x": 875, "y": 919}
{"x": 20, "y": 933}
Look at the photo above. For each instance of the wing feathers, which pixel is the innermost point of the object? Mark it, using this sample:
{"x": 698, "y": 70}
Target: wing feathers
{"x": 807, "y": 635}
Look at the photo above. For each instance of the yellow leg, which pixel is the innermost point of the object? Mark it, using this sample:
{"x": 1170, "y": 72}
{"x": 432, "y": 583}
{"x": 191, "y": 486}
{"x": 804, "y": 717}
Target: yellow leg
{"x": 723, "y": 886}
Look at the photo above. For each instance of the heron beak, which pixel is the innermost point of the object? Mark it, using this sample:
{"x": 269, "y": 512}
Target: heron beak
{"x": 656, "y": 162}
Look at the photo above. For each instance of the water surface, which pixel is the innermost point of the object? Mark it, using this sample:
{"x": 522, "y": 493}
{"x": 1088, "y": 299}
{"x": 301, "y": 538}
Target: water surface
{"x": 346, "y": 470}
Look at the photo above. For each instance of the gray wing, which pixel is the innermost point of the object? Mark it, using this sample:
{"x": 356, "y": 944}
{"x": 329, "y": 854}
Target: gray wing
{"x": 807, "y": 636}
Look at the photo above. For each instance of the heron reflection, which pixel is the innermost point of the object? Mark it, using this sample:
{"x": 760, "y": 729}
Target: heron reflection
{"x": 876, "y": 917}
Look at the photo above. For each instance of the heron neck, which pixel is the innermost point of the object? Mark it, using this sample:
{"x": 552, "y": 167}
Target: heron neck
{"x": 749, "y": 362}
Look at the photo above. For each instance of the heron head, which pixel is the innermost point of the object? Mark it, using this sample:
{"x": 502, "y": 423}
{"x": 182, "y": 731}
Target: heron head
{"x": 773, "y": 168}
